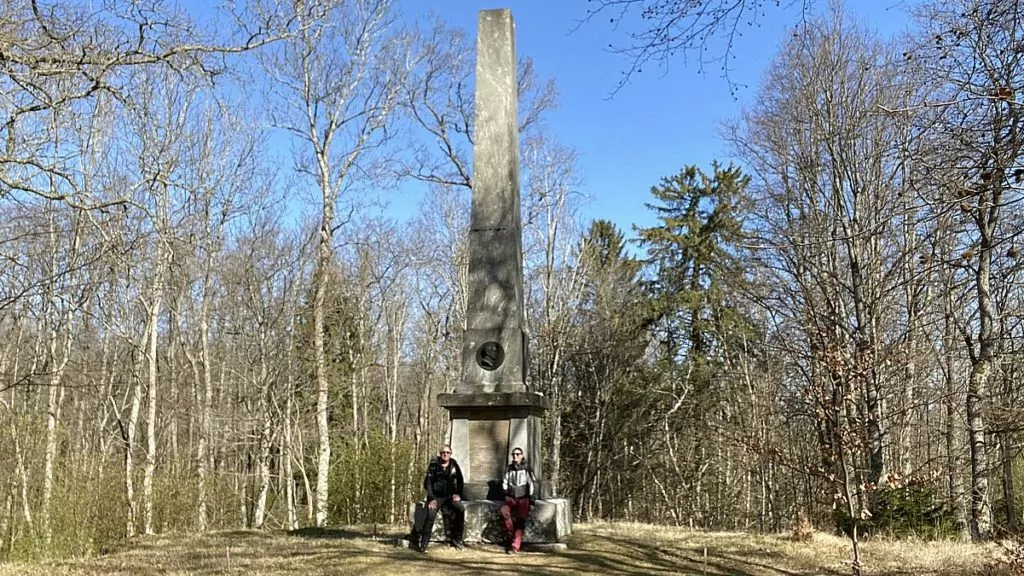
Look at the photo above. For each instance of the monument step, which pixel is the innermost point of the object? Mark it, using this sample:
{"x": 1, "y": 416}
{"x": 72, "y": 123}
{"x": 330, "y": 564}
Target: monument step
{"x": 527, "y": 546}
{"x": 549, "y": 522}
{"x": 478, "y": 399}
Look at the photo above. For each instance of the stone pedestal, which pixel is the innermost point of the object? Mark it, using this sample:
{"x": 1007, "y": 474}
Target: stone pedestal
{"x": 549, "y": 521}
{"x": 486, "y": 426}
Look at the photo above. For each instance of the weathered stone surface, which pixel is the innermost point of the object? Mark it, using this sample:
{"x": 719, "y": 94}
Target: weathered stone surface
{"x": 495, "y": 299}
{"x": 496, "y": 138}
{"x": 480, "y": 400}
{"x": 542, "y": 547}
{"x": 487, "y": 446}
{"x": 495, "y": 283}
{"x": 509, "y": 376}
{"x": 483, "y": 490}
{"x": 485, "y": 428}
{"x": 550, "y": 521}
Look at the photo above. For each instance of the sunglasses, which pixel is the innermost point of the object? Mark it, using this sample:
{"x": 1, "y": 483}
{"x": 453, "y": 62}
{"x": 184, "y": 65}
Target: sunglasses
{"x": 446, "y": 452}
{"x": 517, "y": 453}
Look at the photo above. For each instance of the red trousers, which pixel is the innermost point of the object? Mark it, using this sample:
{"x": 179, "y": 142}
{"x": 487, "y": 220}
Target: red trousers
{"x": 514, "y": 512}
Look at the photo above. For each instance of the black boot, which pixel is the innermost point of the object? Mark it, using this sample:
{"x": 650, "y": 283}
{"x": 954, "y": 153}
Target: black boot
{"x": 422, "y": 539}
{"x": 458, "y": 524}
{"x": 428, "y": 529}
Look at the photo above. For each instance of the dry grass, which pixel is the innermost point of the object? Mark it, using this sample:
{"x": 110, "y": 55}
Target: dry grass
{"x": 594, "y": 548}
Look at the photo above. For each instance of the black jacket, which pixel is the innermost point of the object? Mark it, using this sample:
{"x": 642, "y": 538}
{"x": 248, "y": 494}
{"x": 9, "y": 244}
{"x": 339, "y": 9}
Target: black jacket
{"x": 441, "y": 483}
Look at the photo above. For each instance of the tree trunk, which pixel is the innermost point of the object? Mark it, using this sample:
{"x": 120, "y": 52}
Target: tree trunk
{"x": 153, "y": 311}
{"x": 204, "y": 450}
{"x": 865, "y": 344}
{"x": 396, "y": 329}
{"x": 287, "y": 452}
{"x": 7, "y": 520}
{"x": 265, "y": 439}
{"x": 58, "y": 361}
{"x": 172, "y": 382}
{"x": 357, "y": 477}
{"x": 50, "y": 455}
{"x": 129, "y": 449}
{"x": 310, "y": 506}
{"x": 426, "y": 393}
{"x": 981, "y": 368}
{"x": 291, "y": 522}
{"x": 1009, "y": 504}
{"x": 323, "y": 263}
{"x": 26, "y": 506}
{"x": 981, "y": 514}
{"x": 55, "y": 398}
{"x": 952, "y": 434}
{"x": 903, "y": 416}
{"x": 19, "y": 456}
{"x": 151, "y": 379}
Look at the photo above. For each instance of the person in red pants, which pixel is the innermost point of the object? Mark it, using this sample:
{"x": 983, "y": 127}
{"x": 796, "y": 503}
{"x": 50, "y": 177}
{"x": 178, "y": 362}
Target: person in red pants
{"x": 518, "y": 484}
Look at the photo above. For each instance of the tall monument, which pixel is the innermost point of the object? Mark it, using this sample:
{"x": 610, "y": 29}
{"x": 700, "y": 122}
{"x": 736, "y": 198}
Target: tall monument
{"x": 493, "y": 410}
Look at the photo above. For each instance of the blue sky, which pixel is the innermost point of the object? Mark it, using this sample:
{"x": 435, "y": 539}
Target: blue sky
{"x": 662, "y": 120}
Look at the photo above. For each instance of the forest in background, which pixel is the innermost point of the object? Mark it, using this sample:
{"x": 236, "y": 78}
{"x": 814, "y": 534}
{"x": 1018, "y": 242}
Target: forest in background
{"x": 202, "y": 328}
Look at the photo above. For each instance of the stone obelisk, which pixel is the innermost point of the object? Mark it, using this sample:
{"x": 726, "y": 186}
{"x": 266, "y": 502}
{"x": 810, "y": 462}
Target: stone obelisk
{"x": 492, "y": 409}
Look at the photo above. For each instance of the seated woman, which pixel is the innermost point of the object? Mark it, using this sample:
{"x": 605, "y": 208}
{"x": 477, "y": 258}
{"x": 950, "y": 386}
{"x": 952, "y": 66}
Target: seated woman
{"x": 518, "y": 485}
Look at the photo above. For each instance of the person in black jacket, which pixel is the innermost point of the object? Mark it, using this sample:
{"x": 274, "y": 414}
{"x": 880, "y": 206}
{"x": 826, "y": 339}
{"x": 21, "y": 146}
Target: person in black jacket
{"x": 443, "y": 484}
{"x": 518, "y": 484}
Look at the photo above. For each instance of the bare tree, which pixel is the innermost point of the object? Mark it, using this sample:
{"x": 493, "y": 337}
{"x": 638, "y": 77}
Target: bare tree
{"x": 681, "y": 27}
{"x": 383, "y": 288}
{"x": 266, "y": 290}
{"x": 338, "y": 79}
{"x": 830, "y": 166}
{"x": 552, "y": 251}
{"x": 72, "y": 55}
{"x": 441, "y": 245}
{"x": 64, "y": 301}
{"x": 977, "y": 117}
{"x": 439, "y": 100}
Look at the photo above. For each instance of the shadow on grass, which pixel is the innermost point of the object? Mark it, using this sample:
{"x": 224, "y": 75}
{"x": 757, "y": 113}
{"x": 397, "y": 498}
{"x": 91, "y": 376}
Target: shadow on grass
{"x": 608, "y": 555}
{"x": 620, "y": 554}
{"x": 587, "y": 554}
{"x": 358, "y": 550}
{"x": 334, "y": 533}
{"x": 247, "y": 534}
{"x": 636, "y": 556}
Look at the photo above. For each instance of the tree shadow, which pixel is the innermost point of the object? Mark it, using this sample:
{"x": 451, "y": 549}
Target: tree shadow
{"x": 363, "y": 550}
{"x": 636, "y": 556}
{"x": 262, "y": 534}
{"x": 337, "y": 533}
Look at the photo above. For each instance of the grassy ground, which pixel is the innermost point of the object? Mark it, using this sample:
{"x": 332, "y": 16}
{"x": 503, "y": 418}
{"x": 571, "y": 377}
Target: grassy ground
{"x": 593, "y": 549}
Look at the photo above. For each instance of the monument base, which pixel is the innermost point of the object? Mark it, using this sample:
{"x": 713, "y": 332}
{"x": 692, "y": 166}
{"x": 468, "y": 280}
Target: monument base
{"x": 550, "y": 521}
{"x": 486, "y": 426}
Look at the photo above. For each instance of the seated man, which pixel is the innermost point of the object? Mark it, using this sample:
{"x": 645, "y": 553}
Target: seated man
{"x": 443, "y": 484}
{"x": 519, "y": 496}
